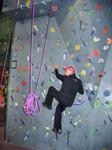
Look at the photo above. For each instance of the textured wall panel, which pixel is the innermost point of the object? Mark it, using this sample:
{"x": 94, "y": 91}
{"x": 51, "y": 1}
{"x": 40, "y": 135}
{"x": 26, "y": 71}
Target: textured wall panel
{"x": 77, "y": 36}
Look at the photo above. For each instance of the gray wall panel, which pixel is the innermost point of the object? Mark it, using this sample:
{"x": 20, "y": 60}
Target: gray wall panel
{"x": 93, "y": 124}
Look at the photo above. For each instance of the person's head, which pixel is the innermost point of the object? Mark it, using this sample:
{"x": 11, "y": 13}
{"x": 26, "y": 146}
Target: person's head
{"x": 69, "y": 70}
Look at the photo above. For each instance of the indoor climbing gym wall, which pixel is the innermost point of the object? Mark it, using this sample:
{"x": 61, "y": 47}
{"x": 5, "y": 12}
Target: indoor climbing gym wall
{"x": 63, "y": 32}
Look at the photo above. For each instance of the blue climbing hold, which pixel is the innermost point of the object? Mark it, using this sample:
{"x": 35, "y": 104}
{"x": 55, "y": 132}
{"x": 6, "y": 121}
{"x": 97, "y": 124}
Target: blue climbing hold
{"x": 106, "y": 93}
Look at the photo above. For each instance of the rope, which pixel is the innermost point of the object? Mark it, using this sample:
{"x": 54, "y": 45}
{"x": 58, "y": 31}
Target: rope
{"x": 32, "y": 106}
{"x": 46, "y": 35}
{"x": 31, "y": 45}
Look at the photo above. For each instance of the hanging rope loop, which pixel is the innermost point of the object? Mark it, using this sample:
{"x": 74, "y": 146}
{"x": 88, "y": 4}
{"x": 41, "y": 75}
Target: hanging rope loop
{"x": 31, "y": 107}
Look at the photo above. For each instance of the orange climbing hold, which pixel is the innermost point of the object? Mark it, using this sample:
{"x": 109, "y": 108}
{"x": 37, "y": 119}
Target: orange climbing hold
{"x": 23, "y": 68}
{"x": 109, "y": 41}
{"x": 105, "y": 30}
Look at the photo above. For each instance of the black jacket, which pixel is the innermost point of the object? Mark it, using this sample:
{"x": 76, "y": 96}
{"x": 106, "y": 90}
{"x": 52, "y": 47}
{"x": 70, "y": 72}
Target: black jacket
{"x": 70, "y": 86}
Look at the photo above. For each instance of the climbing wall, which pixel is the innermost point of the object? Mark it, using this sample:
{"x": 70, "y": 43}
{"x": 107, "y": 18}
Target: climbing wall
{"x": 85, "y": 29}
{"x": 78, "y": 35}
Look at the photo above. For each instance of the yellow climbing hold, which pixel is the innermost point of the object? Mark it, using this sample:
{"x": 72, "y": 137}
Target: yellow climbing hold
{"x": 71, "y": 8}
{"x": 52, "y": 29}
{"x": 77, "y": 47}
{"x": 83, "y": 73}
{"x": 97, "y": 104}
{"x": 75, "y": 123}
{"x": 87, "y": 65}
{"x": 28, "y": 3}
{"x": 47, "y": 128}
{"x": 69, "y": 112}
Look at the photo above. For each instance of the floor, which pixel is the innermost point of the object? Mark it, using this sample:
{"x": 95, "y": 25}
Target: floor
{"x": 4, "y": 145}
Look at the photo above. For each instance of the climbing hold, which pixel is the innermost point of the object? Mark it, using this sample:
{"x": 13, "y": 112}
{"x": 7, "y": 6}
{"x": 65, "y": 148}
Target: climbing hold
{"x": 106, "y": 93}
{"x": 105, "y": 30}
{"x": 87, "y": 65}
{"x": 77, "y": 47}
{"x": 96, "y": 39}
{"x": 52, "y": 29}
{"x": 96, "y": 53}
{"x": 83, "y": 73}
{"x": 99, "y": 6}
{"x": 23, "y": 83}
{"x": 109, "y": 41}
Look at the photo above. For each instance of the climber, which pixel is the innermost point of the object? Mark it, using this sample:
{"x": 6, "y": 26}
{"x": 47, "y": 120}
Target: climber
{"x": 65, "y": 96}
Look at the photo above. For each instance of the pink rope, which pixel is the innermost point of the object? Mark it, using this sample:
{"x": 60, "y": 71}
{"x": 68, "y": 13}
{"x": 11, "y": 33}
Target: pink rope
{"x": 31, "y": 105}
{"x": 46, "y": 34}
{"x": 31, "y": 45}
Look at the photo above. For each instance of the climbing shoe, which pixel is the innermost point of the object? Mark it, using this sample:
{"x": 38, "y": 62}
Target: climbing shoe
{"x": 45, "y": 105}
{"x": 59, "y": 131}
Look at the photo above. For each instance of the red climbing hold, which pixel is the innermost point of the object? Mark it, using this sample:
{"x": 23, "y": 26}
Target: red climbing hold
{"x": 23, "y": 83}
{"x": 99, "y": 6}
{"x": 96, "y": 53}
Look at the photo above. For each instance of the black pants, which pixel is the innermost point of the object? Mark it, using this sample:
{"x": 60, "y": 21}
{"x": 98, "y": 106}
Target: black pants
{"x": 53, "y": 93}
